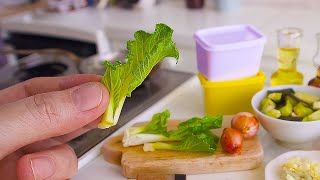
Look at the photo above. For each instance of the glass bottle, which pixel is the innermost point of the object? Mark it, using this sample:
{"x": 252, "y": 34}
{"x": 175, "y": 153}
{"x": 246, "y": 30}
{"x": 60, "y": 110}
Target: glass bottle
{"x": 289, "y": 40}
{"x": 316, "y": 61}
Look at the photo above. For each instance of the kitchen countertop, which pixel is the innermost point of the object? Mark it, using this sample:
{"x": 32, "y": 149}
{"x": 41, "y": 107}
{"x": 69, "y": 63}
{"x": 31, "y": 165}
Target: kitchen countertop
{"x": 181, "y": 108}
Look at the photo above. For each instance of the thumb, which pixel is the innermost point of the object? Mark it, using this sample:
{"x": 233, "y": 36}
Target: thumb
{"x": 59, "y": 162}
{"x": 50, "y": 114}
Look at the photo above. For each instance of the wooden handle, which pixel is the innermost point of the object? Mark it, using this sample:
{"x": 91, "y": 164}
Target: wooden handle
{"x": 155, "y": 177}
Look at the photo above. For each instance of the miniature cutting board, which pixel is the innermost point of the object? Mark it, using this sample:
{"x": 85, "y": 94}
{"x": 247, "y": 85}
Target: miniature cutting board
{"x": 134, "y": 161}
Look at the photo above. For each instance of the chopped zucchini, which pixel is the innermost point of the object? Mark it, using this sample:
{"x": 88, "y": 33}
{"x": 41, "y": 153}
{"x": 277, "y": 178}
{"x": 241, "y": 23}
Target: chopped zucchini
{"x": 289, "y": 105}
{"x": 301, "y": 110}
{"x": 263, "y": 101}
{"x": 268, "y": 105}
{"x": 273, "y": 113}
{"x": 291, "y": 100}
{"x": 312, "y": 117}
{"x": 316, "y": 105}
{"x": 286, "y": 110}
{"x": 276, "y": 97}
{"x": 308, "y": 98}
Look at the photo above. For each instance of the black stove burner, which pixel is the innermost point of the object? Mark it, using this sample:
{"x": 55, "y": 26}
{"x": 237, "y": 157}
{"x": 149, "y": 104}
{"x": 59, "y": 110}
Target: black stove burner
{"x": 36, "y": 65}
{"x": 159, "y": 84}
{"x": 43, "y": 70}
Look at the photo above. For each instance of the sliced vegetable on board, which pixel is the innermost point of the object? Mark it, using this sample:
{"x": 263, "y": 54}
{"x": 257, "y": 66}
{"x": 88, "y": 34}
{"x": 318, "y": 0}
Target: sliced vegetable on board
{"x": 191, "y": 135}
{"x": 203, "y": 142}
{"x": 155, "y": 130}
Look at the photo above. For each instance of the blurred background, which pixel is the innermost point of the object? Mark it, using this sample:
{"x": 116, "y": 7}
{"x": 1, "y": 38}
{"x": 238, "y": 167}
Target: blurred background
{"x": 59, "y": 37}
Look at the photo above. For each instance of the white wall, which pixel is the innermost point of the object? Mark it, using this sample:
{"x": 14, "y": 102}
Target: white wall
{"x": 299, "y": 4}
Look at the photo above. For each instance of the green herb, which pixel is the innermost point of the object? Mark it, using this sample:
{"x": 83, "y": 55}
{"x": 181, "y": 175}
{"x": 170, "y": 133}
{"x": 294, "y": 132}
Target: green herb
{"x": 144, "y": 53}
{"x": 196, "y": 126}
{"x": 155, "y": 130}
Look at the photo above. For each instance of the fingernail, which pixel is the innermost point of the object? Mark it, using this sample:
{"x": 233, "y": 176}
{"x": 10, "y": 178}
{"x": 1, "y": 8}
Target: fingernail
{"x": 87, "y": 97}
{"x": 43, "y": 167}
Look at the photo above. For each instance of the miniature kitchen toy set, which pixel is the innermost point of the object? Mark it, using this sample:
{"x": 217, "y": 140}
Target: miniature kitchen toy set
{"x": 228, "y": 61}
{"x": 237, "y": 102}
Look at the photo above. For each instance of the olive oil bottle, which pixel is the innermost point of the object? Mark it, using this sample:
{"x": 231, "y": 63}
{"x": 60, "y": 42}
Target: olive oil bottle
{"x": 287, "y": 72}
{"x": 316, "y": 61}
{"x": 288, "y": 53}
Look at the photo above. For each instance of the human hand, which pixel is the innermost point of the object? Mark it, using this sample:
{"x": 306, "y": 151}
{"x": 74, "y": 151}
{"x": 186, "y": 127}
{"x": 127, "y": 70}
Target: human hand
{"x": 38, "y": 116}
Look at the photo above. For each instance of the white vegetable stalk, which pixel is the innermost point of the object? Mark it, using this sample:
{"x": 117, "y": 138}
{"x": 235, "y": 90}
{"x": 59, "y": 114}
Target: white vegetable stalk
{"x": 139, "y": 139}
{"x": 109, "y": 118}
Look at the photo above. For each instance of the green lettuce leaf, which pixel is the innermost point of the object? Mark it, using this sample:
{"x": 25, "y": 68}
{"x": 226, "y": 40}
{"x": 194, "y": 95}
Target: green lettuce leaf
{"x": 155, "y": 130}
{"x": 145, "y": 52}
{"x": 158, "y": 124}
{"x": 204, "y": 142}
{"x": 196, "y": 126}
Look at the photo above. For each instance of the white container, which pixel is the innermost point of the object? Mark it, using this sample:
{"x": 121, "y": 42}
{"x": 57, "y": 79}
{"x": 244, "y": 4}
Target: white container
{"x": 229, "y": 52}
{"x": 273, "y": 168}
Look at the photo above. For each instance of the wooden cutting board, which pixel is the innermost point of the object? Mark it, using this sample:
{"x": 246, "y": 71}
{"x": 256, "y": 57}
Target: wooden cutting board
{"x": 134, "y": 161}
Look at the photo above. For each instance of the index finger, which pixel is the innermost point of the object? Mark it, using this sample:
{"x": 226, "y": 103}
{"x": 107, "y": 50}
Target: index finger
{"x": 44, "y": 84}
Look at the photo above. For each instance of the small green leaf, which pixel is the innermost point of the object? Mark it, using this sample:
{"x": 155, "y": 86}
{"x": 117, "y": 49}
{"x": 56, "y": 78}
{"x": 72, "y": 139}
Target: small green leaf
{"x": 203, "y": 142}
{"x": 196, "y": 125}
{"x": 158, "y": 124}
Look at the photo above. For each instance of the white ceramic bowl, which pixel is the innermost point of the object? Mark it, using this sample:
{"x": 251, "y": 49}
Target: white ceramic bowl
{"x": 273, "y": 169}
{"x": 289, "y": 132}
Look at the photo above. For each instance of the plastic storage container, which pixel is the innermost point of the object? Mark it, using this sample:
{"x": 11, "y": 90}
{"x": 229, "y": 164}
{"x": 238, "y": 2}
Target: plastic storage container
{"x": 229, "y": 52}
{"x": 230, "y": 97}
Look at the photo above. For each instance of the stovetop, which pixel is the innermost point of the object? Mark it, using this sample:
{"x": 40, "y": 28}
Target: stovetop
{"x": 156, "y": 86}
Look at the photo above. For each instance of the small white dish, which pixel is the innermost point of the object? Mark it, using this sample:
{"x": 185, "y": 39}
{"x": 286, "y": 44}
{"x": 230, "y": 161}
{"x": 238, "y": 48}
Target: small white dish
{"x": 273, "y": 168}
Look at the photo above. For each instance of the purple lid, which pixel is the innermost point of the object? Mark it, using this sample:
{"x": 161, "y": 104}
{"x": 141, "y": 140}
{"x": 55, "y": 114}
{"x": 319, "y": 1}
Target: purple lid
{"x": 229, "y": 37}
